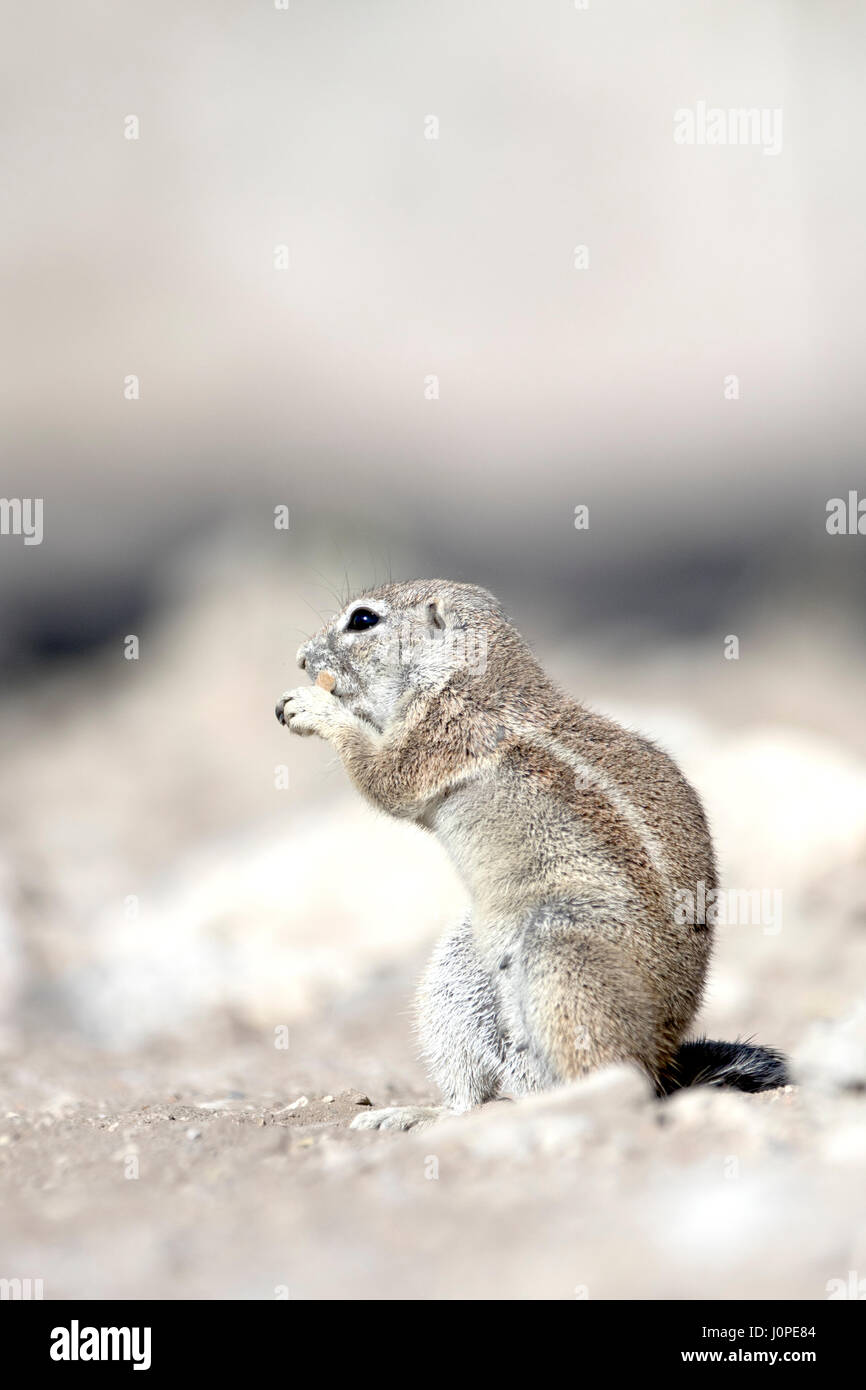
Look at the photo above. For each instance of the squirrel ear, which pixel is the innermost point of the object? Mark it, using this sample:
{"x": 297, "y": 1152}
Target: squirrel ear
{"x": 436, "y": 614}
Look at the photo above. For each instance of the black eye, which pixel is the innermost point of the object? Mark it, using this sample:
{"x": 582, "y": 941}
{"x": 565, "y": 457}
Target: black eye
{"x": 361, "y": 619}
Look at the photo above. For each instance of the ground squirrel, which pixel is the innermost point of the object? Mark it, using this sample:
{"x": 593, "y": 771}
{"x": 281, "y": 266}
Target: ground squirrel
{"x": 572, "y": 835}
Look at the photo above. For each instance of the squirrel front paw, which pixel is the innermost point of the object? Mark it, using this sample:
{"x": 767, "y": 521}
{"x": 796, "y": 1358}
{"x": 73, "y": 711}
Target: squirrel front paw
{"x": 307, "y": 710}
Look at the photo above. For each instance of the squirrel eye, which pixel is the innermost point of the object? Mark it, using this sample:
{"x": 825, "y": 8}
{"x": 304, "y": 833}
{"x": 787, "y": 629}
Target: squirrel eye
{"x": 361, "y": 619}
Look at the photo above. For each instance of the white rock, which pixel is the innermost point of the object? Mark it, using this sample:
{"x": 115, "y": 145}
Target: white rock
{"x": 832, "y": 1056}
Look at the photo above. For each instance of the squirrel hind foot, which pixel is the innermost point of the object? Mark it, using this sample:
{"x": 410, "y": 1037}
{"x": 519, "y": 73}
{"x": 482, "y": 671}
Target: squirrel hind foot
{"x": 400, "y": 1117}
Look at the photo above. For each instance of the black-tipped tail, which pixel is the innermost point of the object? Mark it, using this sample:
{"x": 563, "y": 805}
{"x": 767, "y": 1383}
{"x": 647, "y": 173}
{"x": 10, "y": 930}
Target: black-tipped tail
{"x": 740, "y": 1066}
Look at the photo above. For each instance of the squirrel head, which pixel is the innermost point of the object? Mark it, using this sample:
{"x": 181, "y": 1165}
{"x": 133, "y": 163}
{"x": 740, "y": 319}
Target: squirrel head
{"x": 403, "y": 639}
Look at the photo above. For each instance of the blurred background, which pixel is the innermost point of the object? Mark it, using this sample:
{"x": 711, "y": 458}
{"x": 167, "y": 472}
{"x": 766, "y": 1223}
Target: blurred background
{"x": 340, "y": 259}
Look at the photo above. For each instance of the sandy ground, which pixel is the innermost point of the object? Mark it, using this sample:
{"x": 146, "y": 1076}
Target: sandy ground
{"x": 232, "y": 1173}
{"x": 168, "y": 908}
